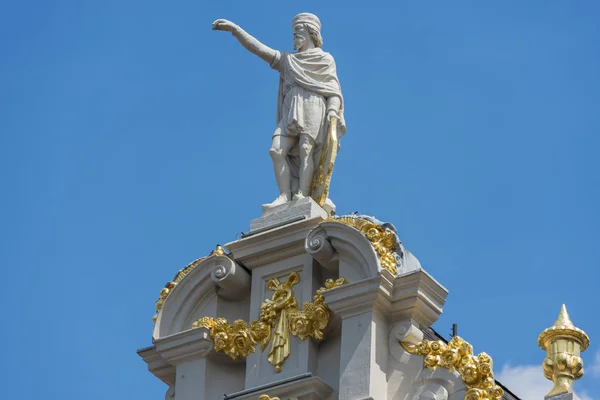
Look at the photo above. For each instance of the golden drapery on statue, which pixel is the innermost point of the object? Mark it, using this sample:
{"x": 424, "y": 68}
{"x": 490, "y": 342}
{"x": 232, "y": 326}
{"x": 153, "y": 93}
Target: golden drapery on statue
{"x": 324, "y": 169}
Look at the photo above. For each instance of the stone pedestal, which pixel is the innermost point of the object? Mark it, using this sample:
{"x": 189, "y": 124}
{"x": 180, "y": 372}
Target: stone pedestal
{"x": 293, "y": 211}
{"x": 562, "y": 396}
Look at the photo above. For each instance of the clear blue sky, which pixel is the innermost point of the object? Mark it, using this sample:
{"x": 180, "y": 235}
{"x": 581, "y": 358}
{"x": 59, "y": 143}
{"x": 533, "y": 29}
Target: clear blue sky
{"x": 134, "y": 139}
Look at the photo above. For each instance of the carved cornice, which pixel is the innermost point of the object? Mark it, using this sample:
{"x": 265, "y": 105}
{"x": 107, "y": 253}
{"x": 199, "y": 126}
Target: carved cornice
{"x": 457, "y": 355}
{"x": 279, "y": 316}
{"x": 182, "y": 273}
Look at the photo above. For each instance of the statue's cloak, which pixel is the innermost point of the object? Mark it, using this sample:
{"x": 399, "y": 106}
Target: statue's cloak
{"x": 314, "y": 70}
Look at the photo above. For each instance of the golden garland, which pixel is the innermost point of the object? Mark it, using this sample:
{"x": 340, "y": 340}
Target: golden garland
{"x": 475, "y": 371}
{"x": 279, "y": 316}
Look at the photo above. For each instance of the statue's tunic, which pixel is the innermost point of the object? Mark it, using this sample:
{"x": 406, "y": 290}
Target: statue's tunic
{"x": 307, "y": 80}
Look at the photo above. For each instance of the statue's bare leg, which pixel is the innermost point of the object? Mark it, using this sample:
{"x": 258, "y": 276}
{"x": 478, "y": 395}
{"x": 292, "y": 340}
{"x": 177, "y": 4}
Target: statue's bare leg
{"x": 279, "y": 150}
{"x": 307, "y": 166}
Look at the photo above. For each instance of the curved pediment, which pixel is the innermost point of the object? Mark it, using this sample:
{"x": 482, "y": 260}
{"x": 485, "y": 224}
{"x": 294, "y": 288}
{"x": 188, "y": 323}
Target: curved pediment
{"x": 210, "y": 285}
{"x": 363, "y": 245}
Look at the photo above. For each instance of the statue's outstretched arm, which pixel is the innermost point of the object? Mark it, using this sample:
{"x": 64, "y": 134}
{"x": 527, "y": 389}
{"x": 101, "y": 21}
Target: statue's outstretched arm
{"x": 247, "y": 40}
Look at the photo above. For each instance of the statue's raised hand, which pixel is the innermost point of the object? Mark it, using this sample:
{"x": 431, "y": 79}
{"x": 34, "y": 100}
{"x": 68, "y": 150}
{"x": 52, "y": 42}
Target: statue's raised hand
{"x": 224, "y": 25}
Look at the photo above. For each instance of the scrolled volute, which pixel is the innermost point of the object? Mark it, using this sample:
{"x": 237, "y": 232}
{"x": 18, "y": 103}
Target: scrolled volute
{"x": 317, "y": 244}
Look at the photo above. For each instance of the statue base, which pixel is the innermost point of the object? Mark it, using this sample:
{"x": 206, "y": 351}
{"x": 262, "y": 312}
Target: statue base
{"x": 286, "y": 213}
{"x": 562, "y": 396}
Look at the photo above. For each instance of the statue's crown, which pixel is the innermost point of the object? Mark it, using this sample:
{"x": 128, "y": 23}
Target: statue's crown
{"x": 307, "y": 18}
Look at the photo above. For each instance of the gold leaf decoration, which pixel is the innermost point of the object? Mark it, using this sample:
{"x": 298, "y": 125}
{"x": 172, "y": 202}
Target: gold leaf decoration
{"x": 563, "y": 343}
{"x": 457, "y": 355}
{"x": 169, "y": 286}
{"x": 279, "y": 316}
{"x": 383, "y": 240}
{"x": 313, "y": 319}
{"x": 324, "y": 168}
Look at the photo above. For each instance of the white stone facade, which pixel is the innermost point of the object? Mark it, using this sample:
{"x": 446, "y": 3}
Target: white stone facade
{"x": 360, "y": 356}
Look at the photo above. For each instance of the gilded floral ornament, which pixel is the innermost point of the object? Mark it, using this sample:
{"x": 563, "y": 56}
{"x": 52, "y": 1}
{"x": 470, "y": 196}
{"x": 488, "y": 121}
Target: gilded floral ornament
{"x": 383, "y": 240}
{"x": 279, "y": 316}
{"x": 457, "y": 355}
{"x": 169, "y": 286}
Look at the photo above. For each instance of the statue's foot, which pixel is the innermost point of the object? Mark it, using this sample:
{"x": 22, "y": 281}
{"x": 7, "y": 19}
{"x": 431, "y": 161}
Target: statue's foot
{"x": 298, "y": 195}
{"x": 281, "y": 199}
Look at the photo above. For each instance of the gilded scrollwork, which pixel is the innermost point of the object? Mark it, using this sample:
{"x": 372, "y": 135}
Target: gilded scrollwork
{"x": 384, "y": 241}
{"x": 279, "y": 317}
{"x": 457, "y": 355}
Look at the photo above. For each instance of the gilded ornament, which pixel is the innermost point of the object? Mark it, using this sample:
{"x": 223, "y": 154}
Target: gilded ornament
{"x": 169, "y": 286}
{"x": 563, "y": 343}
{"x": 384, "y": 241}
{"x": 267, "y": 397}
{"x": 313, "y": 319}
{"x": 279, "y": 317}
{"x": 324, "y": 169}
{"x": 282, "y": 302}
{"x": 457, "y": 355}
{"x": 218, "y": 251}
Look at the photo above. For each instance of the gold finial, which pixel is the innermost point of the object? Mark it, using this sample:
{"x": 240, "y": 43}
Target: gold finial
{"x": 563, "y": 343}
{"x": 563, "y": 318}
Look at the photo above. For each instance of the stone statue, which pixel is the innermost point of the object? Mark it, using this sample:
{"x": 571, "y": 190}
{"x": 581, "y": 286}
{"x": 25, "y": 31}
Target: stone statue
{"x": 309, "y": 108}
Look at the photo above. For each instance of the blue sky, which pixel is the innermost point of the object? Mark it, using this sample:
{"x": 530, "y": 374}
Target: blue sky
{"x": 134, "y": 139}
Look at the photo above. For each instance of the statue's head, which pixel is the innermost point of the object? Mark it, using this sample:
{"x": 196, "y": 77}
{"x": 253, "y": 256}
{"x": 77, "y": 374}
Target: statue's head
{"x": 307, "y": 29}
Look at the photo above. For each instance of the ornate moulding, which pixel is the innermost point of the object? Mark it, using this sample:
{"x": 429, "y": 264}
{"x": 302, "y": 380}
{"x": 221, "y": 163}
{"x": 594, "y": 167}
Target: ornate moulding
{"x": 457, "y": 355}
{"x": 279, "y": 317}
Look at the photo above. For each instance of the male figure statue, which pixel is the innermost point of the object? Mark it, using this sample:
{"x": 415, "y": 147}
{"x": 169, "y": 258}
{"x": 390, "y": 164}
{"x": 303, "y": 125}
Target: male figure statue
{"x": 309, "y": 96}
